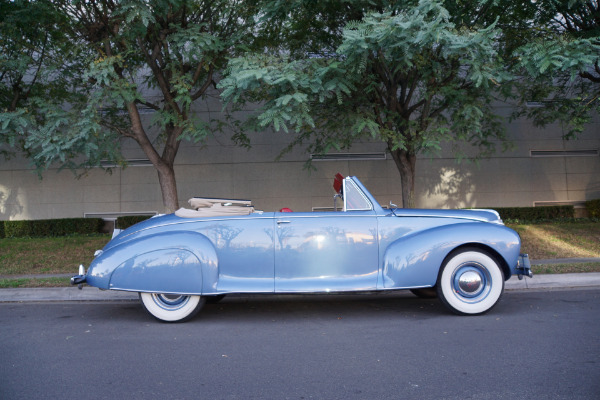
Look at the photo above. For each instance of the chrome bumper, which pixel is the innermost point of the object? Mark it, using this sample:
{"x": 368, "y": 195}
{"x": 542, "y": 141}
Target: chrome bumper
{"x": 79, "y": 279}
{"x": 524, "y": 267}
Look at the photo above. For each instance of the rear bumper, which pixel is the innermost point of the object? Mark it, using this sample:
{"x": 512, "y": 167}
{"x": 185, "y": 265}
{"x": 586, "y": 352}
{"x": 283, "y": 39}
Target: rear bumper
{"x": 524, "y": 266}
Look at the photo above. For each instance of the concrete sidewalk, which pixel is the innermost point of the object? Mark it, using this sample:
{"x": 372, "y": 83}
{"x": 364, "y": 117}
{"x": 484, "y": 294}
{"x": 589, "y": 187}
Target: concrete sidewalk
{"x": 554, "y": 281}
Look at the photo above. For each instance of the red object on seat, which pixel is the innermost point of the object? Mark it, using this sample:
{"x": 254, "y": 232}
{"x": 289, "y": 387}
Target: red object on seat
{"x": 285, "y": 209}
{"x": 337, "y": 182}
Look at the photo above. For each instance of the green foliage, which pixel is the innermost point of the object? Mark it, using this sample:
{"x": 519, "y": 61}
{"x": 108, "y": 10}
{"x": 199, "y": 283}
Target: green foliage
{"x": 535, "y": 213}
{"x": 593, "y": 208}
{"x": 559, "y": 57}
{"x": 98, "y": 67}
{"x": 406, "y": 74}
{"x": 410, "y": 55}
{"x": 36, "y": 66}
{"x": 17, "y": 229}
{"x": 52, "y": 227}
{"x": 126, "y": 221}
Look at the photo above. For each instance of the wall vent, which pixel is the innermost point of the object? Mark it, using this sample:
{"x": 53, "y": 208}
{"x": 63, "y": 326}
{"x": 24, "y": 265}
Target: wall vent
{"x": 574, "y": 203}
{"x": 535, "y": 104}
{"x": 349, "y": 157}
{"x": 564, "y": 153}
{"x": 133, "y": 162}
{"x": 142, "y": 110}
{"x": 111, "y": 216}
{"x": 540, "y": 104}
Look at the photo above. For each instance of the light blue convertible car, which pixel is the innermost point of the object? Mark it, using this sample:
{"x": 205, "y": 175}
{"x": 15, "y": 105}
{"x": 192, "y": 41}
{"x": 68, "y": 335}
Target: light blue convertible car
{"x": 177, "y": 262}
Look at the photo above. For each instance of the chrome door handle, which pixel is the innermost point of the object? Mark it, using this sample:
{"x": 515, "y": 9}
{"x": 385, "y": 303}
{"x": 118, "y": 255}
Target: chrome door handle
{"x": 283, "y": 222}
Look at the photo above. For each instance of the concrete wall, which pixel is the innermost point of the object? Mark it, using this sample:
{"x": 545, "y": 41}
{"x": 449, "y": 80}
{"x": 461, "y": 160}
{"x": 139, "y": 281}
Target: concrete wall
{"x": 220, "y": 169}
{"x": 515, "y": 178}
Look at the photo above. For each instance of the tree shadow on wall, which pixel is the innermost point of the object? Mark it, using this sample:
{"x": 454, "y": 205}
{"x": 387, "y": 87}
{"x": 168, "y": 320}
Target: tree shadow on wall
{"x": 452, "y": 187}
{"x": 9, "y": 205}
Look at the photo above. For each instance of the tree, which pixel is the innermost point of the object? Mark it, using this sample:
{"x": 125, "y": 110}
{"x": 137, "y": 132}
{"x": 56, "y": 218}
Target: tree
{"x": 35, "y": 64}
{"x": 157, "y": 55}
{"x": 561, "y": 59}
{"x": 406, "y": 74}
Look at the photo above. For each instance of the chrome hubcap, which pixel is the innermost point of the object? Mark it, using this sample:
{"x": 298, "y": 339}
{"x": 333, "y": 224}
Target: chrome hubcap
{"x": 170, "y": 302}
{"x": 471, "y": 282}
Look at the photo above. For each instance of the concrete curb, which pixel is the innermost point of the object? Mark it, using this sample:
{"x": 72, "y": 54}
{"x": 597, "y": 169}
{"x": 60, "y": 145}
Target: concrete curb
{"x": 554, "y": 281}
{"x": 564, "y": 261}
{"x": 64, "y": 294}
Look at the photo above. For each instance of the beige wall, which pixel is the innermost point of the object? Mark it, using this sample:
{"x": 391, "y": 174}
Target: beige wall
{"x": 220, "y": 169}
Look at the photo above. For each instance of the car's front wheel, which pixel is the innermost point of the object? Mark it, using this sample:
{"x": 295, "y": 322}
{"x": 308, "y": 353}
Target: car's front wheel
{"x": 470, "y": 282}
{"x": 171, "y": 307}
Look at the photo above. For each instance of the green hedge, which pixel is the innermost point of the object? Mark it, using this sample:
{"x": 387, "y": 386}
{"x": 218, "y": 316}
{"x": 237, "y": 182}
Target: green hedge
{"x": 126, "y": 221}
{"x": 52, "y": 227}
{"x": 536, "y": 213}
{"x": 593, "y": 208}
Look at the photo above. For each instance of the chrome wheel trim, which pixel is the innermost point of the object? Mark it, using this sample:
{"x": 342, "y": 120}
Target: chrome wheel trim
{"x": 471, "y": 282}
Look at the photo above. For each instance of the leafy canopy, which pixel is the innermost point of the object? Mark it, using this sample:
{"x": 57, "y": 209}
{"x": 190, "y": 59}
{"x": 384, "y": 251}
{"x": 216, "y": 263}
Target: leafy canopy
{"x": 120, "y": 61}
{"x": 409, "y": 76}
{"x": 560, "y": 60}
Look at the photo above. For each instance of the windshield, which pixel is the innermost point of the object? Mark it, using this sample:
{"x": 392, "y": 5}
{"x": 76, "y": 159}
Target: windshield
{"x": 354, "y": 200}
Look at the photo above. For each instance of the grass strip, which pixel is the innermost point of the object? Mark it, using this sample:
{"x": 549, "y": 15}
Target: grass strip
{"x": 53, "y": 255}
{"x": 559, "y": 239}
{"x": 565, "y": 268}
{"x": 34, "y": 283}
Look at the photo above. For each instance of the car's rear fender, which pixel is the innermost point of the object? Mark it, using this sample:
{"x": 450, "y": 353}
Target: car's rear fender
{"x": 171, "y": 262}
{"x": 415, "y": 260}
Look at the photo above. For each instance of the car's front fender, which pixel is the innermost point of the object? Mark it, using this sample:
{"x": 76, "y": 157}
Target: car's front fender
{"x": 414, "y": 260}
{"x": 170, "y": 262}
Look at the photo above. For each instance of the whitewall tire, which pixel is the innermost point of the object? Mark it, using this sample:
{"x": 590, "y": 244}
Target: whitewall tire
{"x": 470, "y": 282}
{"x": 171, "y": 307}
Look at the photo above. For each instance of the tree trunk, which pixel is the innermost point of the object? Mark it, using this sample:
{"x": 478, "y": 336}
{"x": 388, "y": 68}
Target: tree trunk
{"x": 406, "y": 162}
{"x": 168, "y": 187}
{"x": 164, "y": 164}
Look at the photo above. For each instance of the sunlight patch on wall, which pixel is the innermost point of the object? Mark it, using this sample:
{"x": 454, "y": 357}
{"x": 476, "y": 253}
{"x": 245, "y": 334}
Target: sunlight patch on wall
{"x": 451, "y": 188}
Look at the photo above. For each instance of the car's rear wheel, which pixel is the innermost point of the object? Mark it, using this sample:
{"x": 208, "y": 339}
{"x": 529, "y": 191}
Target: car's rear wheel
{"x": 171, "y": 307}
{"x": 470, "y": 282}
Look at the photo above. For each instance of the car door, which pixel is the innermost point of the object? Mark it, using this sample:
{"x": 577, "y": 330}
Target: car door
{"x": 323, "y": 252}
{"x": 244, "y": 247}
{"x": 327, "y": 251}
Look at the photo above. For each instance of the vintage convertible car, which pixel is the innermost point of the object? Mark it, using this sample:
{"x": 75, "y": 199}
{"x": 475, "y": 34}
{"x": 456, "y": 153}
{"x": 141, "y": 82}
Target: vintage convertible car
{"x": 179, "y": 261}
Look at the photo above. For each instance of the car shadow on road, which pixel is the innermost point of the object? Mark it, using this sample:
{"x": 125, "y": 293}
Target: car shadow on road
{"x": 336, "y": 306}
{"x": 292, "y": 308}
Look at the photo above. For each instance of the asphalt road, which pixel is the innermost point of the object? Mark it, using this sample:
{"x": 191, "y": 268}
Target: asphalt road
{"x": 533, "y": 345}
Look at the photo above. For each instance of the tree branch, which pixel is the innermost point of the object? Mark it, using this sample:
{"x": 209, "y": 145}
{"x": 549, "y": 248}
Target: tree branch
{"x": 139, "y": 135}
{"x": 157, "y": 71}
{"x": 206, "y": 85}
